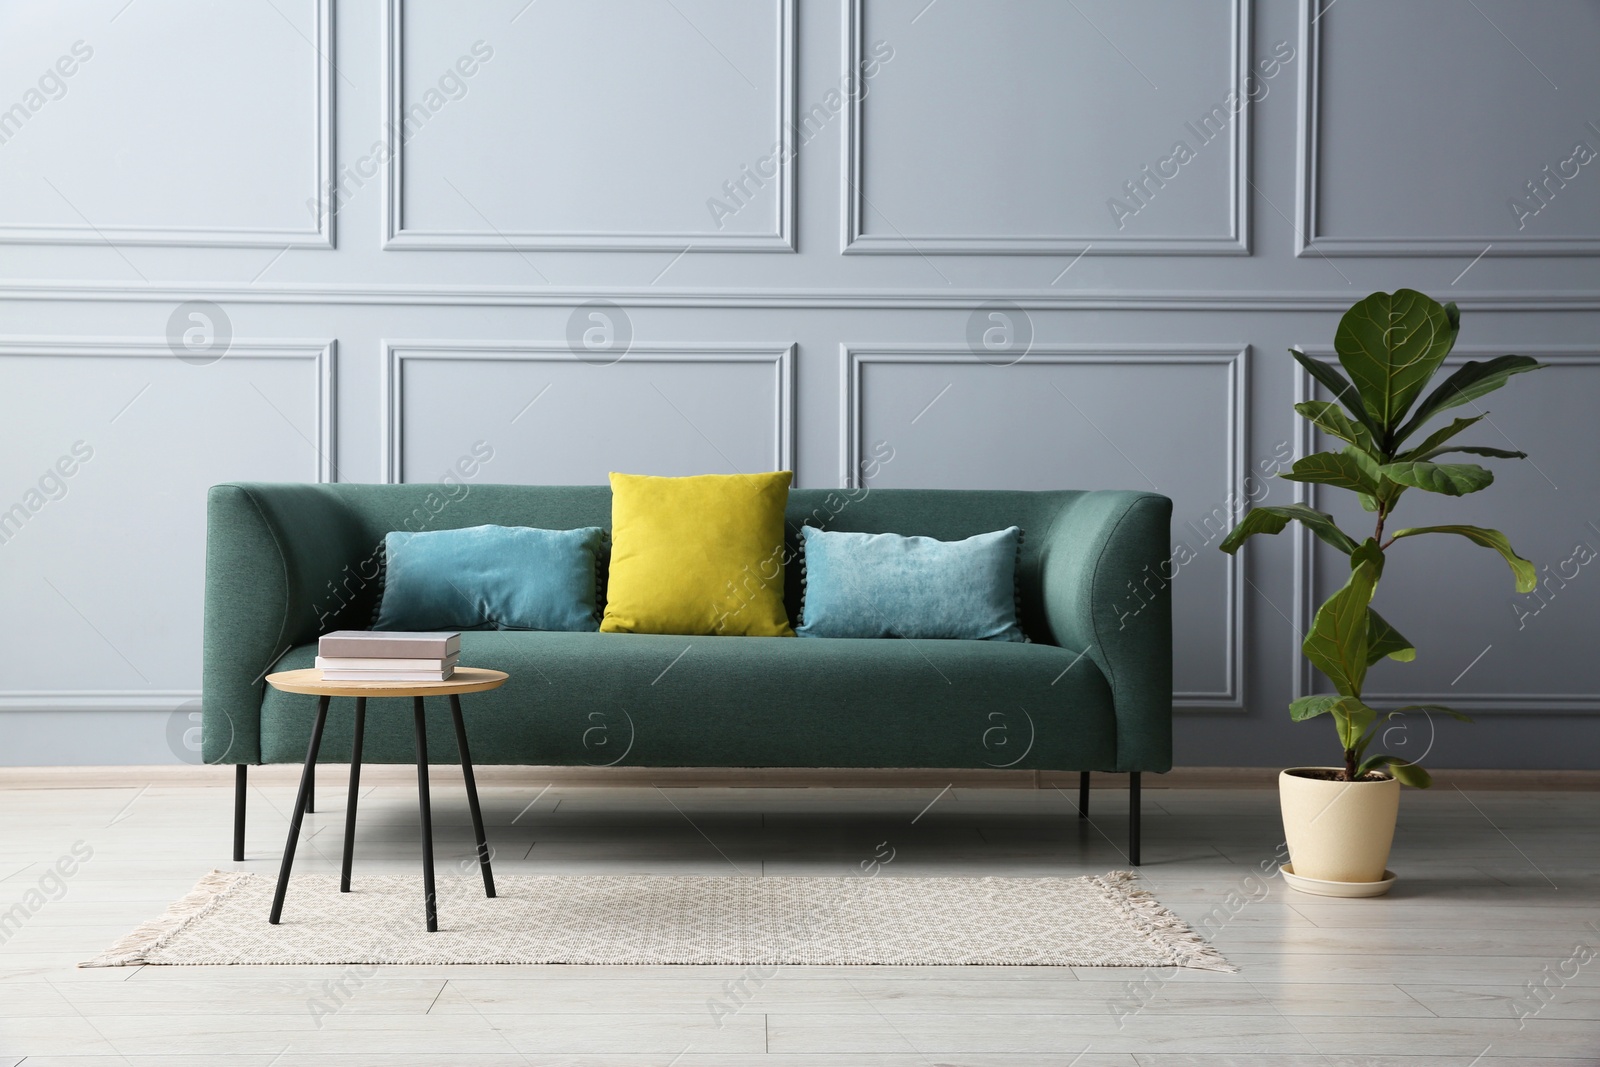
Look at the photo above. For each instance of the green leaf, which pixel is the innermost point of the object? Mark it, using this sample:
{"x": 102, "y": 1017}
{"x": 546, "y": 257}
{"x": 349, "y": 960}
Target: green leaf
{"x": 1527, "y": 577}
{"x": 1334, "y": 468}
{"x": 1372, "y": 763}
{"x": 1434, "y": 445}
{"x": 1407, "y": 773}
{"x": 1337, "y": 643}
{"x": 1384, "y": 640}
{"x": 1411, "y": 774}
{"x": 1470, "y": 381}
{"x": 1451, "y": 479}
{"x": 1430, "y": 446}
{"x": 1273, "y": 519}
{"x": 1312, "y": 706}
{"x": 1322, "y": 524}
{"x": 1369, "y": 465}
{"x": 1390, "y": 344}
{"x": 1388, "y": 491}
{"x": 1352, "y": 718}
{"x": 1267, "y": 520}
{"x": 1331, "y": 419}
{"x": 1479, "y": 450}
{"x": 1371, "y": 553}
{"x": 1368, "y": 501}
{"x": 1335, "y": 383}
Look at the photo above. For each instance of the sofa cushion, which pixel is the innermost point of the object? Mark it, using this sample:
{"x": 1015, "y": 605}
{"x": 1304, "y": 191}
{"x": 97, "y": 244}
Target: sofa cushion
{"x": 671, "y": 701}
{"x": 490, "y": 578}
{"x": 888, "y": 585}
{"x": 700, "y": 555}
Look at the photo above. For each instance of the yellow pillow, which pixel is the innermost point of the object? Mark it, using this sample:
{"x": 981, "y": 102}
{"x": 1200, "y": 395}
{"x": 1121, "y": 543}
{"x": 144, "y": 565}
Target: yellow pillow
{"x": 701, "y": 555}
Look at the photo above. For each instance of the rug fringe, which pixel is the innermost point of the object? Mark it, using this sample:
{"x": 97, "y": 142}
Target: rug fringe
{"x": 133, "y": 949}
{"x": 1152, "y": 917}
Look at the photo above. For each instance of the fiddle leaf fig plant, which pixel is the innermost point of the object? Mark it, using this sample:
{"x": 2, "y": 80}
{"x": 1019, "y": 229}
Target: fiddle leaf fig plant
{"x": 1390, "y": 347}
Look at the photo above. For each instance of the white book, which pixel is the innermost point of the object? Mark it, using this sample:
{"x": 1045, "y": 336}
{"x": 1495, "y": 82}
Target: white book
{"x": 363, "y": 663}
{"x": 387, "y": 676}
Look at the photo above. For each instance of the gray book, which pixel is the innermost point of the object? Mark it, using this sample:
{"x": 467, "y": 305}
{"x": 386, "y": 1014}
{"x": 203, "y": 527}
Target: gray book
{"x": 390, "y": 644}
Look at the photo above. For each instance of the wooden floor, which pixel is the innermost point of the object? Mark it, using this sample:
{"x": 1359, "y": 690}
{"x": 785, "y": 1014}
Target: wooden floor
{"x": 1499, "y": 896}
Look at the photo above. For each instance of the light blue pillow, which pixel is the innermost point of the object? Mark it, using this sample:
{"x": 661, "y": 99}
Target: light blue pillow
{"x": 886, "y": 585}
{"x": 490, "y": 578}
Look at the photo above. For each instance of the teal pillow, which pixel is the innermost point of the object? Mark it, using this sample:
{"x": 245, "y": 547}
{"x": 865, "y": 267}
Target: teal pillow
{"x": 491, "y": 578}
{"x": 886, "y": 585}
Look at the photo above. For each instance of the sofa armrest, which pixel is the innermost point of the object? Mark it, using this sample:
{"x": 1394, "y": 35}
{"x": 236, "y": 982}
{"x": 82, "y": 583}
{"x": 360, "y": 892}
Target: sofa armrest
{"x": 1107, "y": 594}
{"x": 280, "y": 563}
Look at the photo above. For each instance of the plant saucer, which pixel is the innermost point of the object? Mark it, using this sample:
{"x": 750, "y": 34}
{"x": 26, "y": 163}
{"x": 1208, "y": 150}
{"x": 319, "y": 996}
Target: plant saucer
{"x": 1324, "y": 888}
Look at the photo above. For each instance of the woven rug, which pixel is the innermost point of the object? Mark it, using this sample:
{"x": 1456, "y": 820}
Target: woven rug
{"x": 1104, "y": 921}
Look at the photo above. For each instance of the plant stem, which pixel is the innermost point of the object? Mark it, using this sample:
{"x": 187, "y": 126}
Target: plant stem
{"x": 1377, "y": 537}
{"x": 1349, "y": 764}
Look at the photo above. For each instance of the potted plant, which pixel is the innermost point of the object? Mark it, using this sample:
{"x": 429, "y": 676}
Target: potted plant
{"x": 1339, "y": 821}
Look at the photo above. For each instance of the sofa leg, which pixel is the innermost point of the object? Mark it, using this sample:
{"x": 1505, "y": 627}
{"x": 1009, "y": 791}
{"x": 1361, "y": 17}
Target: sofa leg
{"x": 1133, "y": 818}
{"x": 240, "y": 778}
{"x": 1083, "y": 794}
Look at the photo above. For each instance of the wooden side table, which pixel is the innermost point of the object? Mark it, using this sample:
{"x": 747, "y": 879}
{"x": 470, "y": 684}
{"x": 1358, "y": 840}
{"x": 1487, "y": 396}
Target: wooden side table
{"x": 309, "y": 681}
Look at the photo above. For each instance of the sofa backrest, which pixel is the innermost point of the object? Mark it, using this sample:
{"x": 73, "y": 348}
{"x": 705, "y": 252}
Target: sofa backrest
{"x": 946, "y": 514}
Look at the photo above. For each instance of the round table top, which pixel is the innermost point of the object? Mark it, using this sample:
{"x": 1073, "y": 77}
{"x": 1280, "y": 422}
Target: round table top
{"x": 464, "y": 680}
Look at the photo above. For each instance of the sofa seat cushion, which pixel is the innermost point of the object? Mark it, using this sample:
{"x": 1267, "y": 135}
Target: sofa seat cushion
{"x": 596, "y": 699}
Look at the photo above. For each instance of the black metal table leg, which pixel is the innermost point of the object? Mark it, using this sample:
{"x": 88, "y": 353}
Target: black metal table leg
{"x": 1133, "y": 818}
{"x": 241, "y": 779}
{"x": 355, "y": 790}
{"x": 300, "y": 802}
{"x": 1083, "y": 794}
{"x": 472, "y": 795}
{"x": 311, "y": 788}
{"x": 427, "y": 814}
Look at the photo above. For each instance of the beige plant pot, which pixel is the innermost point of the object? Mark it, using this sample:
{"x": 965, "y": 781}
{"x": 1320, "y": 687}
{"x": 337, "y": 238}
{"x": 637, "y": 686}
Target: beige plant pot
{"x": 1338, "y": 831}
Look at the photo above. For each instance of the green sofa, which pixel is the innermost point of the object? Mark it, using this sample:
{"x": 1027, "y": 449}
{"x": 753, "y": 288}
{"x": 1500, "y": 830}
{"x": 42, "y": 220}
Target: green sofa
{"x": 286, "y": 563}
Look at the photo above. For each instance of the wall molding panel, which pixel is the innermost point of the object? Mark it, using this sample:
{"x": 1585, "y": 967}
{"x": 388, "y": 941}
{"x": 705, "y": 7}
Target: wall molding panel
{"x": 321, "y": 354}
{"x": 853, "y": 205}
{"x": 1233, "y": 359}
{"x": 397, "y": 353}
{"x": 398, "y": 236}
{"x": 320, "y": 235}
{"x": 1307, "y": 596}
{"x": 1308, "y": 151}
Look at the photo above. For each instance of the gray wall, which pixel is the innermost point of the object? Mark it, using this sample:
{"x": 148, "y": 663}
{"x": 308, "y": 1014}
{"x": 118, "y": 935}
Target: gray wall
{"x": 788, "y": 307}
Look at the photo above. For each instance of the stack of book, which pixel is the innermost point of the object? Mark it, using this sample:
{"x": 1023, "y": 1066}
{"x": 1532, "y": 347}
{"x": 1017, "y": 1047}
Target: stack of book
{"x": 387, "y": 656}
